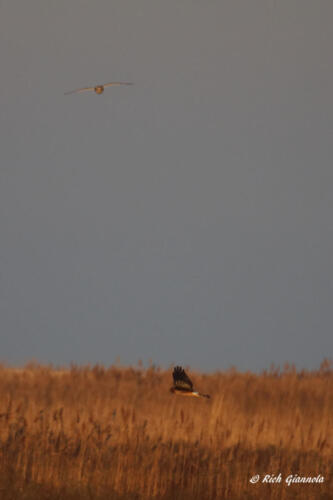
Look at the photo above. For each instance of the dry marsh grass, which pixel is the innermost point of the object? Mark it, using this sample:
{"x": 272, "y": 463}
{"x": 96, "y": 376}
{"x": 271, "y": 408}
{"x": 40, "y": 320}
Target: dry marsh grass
{"x": 97, "y": 433}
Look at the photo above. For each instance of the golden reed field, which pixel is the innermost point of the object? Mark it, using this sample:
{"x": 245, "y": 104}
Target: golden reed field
{"x": 118, "y": 433}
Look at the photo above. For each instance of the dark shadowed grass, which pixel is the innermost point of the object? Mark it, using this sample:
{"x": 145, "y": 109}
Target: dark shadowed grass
{"x": 96, "y": 433}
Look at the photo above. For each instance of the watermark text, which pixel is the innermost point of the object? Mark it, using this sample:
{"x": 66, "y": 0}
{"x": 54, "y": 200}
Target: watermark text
{"x": 289, "y": 480}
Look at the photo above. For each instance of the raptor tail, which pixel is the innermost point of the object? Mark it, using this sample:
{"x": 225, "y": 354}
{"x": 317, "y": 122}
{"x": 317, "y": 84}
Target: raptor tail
{"x": 204, "y": 395}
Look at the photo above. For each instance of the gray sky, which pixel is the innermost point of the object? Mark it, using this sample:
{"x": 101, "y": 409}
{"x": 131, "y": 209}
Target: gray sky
{"x": 186, "y": 219}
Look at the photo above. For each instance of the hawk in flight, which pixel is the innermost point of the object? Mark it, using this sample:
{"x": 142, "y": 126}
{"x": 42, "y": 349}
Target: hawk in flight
{"x": 183, "y": 386}
{"x": 99, "y": 89}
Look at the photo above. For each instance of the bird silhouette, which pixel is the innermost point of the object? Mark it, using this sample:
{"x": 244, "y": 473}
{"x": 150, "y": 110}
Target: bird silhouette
{"x": 98, "y": 89}
{"x": 182, "y": 384}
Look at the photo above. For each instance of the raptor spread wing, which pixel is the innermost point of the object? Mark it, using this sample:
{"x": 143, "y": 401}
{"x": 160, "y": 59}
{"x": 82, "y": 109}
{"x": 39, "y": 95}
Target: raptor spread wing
{"x": 110, "y": 84}
{"x": 79, "y": 90}
{"x": 181, "y": 380}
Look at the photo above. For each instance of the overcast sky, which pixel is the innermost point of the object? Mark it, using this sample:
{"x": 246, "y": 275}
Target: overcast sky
{"x": 186, "y": 219}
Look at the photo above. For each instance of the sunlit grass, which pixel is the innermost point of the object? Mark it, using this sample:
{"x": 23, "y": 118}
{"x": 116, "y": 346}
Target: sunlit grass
{"x": 119, "y": 433}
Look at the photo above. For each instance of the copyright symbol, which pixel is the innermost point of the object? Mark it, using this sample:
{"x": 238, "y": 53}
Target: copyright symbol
{"x": 255, "y": 479}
